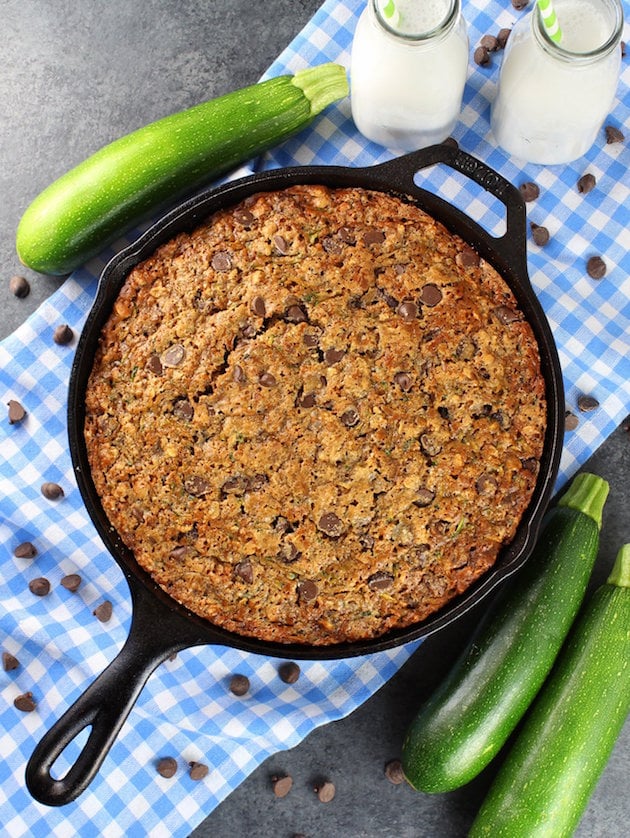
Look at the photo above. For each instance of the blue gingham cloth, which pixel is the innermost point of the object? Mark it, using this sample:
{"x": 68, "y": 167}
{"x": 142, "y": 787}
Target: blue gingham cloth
{"x": 186, "y": 709}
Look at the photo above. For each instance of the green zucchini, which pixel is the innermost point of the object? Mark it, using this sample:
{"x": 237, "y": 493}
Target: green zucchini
{"x": 129, "y": 179}
{"x": 466, "y": 721}
{"x": 549, "y": 774}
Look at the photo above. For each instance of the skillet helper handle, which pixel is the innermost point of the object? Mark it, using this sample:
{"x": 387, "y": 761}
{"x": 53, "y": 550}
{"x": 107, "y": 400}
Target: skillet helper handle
{"x": 103, "y": 707}
{"x": 511, "y": 246}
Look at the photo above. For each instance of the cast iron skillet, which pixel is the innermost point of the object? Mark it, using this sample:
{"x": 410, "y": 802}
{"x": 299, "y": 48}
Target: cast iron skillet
{"x": 160, "y": 626}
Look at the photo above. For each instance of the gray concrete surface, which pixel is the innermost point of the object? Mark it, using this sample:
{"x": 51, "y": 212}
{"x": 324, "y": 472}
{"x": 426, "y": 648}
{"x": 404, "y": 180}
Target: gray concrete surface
{"x": 76, "y": 75}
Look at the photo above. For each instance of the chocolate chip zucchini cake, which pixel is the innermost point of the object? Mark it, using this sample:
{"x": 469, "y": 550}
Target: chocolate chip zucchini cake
{"x": 316, "y": 418}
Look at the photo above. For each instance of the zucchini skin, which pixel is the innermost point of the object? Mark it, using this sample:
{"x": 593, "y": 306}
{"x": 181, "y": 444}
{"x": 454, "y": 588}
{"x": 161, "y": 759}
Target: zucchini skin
{"x": 544, "y": 786}
{"x": 466, "y": 721}
{"x": 124, "y": 182}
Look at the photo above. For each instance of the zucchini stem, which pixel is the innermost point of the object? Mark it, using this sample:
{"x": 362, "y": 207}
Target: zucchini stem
{"x": 322, "y": 85}
{"x": 587, "y": 493}
{"x": 620, "y": 573}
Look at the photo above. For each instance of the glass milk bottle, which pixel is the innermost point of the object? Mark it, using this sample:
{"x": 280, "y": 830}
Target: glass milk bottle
{"x": 554, "y": 97}
{"x": 408, "y": 70}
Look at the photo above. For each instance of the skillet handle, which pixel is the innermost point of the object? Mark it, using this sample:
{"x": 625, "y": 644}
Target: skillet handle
{"x": 103, "y": 707}
{"x": 511, "y": 246}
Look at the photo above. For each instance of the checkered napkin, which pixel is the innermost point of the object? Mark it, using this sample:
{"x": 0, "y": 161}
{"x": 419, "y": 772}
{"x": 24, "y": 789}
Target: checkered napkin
{"x": 186, "y": 709}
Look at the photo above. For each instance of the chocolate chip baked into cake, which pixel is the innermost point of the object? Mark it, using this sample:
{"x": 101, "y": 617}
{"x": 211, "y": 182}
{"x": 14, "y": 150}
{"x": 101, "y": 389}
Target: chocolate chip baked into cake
{"x": 316, "y": 418}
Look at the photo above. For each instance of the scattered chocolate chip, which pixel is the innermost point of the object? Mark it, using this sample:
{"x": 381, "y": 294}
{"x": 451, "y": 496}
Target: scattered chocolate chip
{"x": 529, "y": 191}
{"x": 280, "y": 244}
{"x": 19, "y": 286}
{"x": 243, "y": 216}
{"x": 16, "y": 412}
{"x": 182, "y": 409}
{"x": 490, "y": 42}
{"x": 613, "y": 135}
{"x": 25, "y": 550}
{"x": 587, "y": 403}
{"x": 154, "y": 365}
{"x": 350, "y": 417}
{"x": 519, "y": 4}
{"x": 403, "y": 379}
{"x": 468, "y": 258}
{"x": 502, "y": 37}
{"x": 310, "y": 339}
{"x": 103, "y": 612}
{"x": 506, "y": 315}
{"x": 325, "y": 791}
{"x": 52, "y": 491}
{"x": 570, "y": 421}
{"x": 197, "y": 771}
{"x": 258, "y": 307}
{"x": 380, "y": 581}
{"x": 267, "y": 379}
{"x": 282, "y": 785}
{"x": 238, "y": 374}
{"x": 71, "y": 582}
{"x": 289, "y": 672}
{"x": 333, "y": 356}
{"x": 596, "y": 267}
{"x": 244, "y": 570}
{"x": 394, "y": 771}
{"x": 586, "y": 183}
{"x": 239, "y": 684}
{"x": 540, "y": 234}
{"x": 39, "y": 586}
{"x": 373, "y": 237}
{"x": 296, "y": 314}
{"x": 481, "y": 56}
{"x": 173, "y": 356}
{"x": 63, "y": 335}
{"x": 167, "y": 767}
{"x": 197, "y": 485}
{"x": 222, "y": 261}
{"x": 430, "y": 295}
{"x": 307, "y": 400}
{"x": 408, "y": 310}
{"x": 307, "y": 590}
{"x": 331, "y": 525}
{"x": 347, "y": 236}
{"x": 9, "y": 662}
{"x": 25, "y": 702}
{"x": 332, "y": 245}
{"x": 486, "y": 484}
{"x": 424, "y": 497}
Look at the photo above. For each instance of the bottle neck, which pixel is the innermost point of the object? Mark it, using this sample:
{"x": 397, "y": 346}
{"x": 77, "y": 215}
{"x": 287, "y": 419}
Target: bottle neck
{"x": 612, "y": 13}
{"x": 412, "y": 23}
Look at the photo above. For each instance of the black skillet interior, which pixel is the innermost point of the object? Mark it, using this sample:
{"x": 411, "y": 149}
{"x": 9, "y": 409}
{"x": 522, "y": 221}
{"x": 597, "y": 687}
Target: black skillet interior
{"x": 160, "y": 625}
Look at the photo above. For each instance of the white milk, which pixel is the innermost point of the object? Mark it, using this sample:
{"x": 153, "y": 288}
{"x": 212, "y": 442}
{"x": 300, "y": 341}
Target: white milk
{"x": 553, "y": 100}
{"x": 407, "y": 86}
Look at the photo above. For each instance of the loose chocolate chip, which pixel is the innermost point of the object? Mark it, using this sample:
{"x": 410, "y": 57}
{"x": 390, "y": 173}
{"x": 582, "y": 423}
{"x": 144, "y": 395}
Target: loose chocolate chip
{"x": 540, "y": 234}
{"x": 16, "y": 412}
{"x": 280, "y": 244}
{"x": 307, "y": 590}
{"x": 19, "y": 286}
{"x": 408, "y": 310}
{"x": 237, "y": 484}
{"x": 519, "y": 4}
{"x": 529, "y": 191}
{"x": 325, "y": 791}
{"x": 350, "y": 417}
{"x": 103, "y": 612}
{"x": 506, "y": 315}
{"x": 167, "y": 767}
{"x": 613, "y": 135}
{"x": 25, "y": 550}
{"x": 281, "y": 785}
{"x": 373, "y": 237}
{"x": 596, "y": 267}
{"x": 380, "y": 581}
{"x": 333, "y": 356}
{"x": 239, "y": 684}
{"x": 222, "y": 261}
{"x": 9, "y": 662}
{"x": 296, "y": 314}
{"x": 197, "y": 486}
{"x": 154, "y": 365}
{"x": 468, "y": 258}
{"x": 403, "y": 379}
{"x": 502, "y": 37}
{"x": 307, "y": 400}
{"x": 243, "y": 216}
{"x": 25, "y": 702}
{"x": 394, "y": 771}
{"x": 331, "y": 525}
{"x": 486, "y": 484}
{"x": 310, "y": 339}
{"x": 197, "y": 771}
{"x": 490, "y": 42}
{"x": 63, "y": 335}
{"x": 39, "y": 586}
{"x": 586, "y": 183}
{"x": 258, "y": 307}
{"x": 289, "y": 672}
{"x": 481, "y": 56}
{"x": 424, "y": 497}
{"x": 346, "y": 235}
{"x": 570, "y": 421}
{"x": 52, "y": 491}
{"x": 173, "y": 356}
{"x": 587, "y": 403}
{"x": 430, "y": 295}
{"x": 182, "y": 409}
{"x": 267, "y": 379}
{"x": 244, "y": 570}
{"x": 71, "y": 582}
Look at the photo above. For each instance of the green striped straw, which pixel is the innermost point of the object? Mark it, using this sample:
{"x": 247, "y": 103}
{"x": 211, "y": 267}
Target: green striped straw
{"x": 550, "y": 20}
